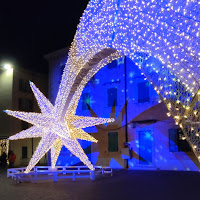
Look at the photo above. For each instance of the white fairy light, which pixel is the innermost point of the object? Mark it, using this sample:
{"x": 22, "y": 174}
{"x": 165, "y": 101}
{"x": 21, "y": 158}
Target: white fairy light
{"x": 55, "y": 132}
{"x": 141, "y": 29}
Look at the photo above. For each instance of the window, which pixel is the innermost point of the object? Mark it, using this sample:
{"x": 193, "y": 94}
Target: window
{"x": 92, "y": 80}
{"x": 143, "y": 92}
{"x": 120, "y": 60}
{"x": 61, "y": 72}
{"x": 112, "y": 141}
{"x": 112, "y": 97}
{"x": 85, "y": 101}
{"x": 25, "y": 125}
{"x": 182, "y": 142}
{"x": 25, "y": 104}
{"x": 145, "y": 147}
{"x": 113, "y": 64}
{"x": 24, "y": 86}
{"x": 24, "y": 152}
{"x": 87, "y": 150}
{"x": 173, "y": 147}
{"x": 61, "y": 69}
{"x": 177, "y": 141}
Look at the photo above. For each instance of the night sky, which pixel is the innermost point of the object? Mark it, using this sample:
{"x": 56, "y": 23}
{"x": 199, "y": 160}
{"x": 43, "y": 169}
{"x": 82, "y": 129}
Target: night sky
{"x": 31, "y": 29}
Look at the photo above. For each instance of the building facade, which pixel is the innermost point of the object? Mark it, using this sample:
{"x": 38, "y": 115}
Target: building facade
{"x": 142, "y": 136}
{"x": 17, "y": 95}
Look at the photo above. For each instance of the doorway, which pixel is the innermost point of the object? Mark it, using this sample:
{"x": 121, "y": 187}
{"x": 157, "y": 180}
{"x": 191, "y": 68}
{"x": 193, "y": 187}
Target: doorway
{"x": 145, "y": 147}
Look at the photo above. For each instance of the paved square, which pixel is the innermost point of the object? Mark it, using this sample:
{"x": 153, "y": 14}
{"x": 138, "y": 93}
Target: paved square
{"x": 123, "y": 185}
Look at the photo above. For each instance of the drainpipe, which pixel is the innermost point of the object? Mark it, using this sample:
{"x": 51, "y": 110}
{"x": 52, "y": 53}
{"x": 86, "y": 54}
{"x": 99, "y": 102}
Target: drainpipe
{"x": 32, "y": 77}
{"x": 32, "y": 146}
{"x": 126, "y": 114}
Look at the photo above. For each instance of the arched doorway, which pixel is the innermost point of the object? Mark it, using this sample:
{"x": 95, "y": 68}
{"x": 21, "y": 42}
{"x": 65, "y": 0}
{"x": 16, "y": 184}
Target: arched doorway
{"x": 144, "y": 32}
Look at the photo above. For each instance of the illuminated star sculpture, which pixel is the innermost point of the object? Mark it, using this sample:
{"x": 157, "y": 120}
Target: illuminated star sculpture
{"x": 55, "y": 132}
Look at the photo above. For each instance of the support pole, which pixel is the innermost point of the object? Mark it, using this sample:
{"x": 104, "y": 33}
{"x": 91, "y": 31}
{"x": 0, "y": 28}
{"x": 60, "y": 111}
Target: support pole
{"x": 126, "y": 115}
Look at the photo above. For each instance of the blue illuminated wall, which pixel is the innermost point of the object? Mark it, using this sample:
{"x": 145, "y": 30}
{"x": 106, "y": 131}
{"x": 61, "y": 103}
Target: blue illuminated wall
{"x": 148, "y": 127}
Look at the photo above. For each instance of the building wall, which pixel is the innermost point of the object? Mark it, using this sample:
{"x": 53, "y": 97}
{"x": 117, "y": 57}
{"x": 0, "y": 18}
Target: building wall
{"x": 162, "y": 158}
{"x": 6, "y": 83}
{"x": 24, "y": 100}
{"x": 56, "y": 62}
{"x": 144, "y": 118}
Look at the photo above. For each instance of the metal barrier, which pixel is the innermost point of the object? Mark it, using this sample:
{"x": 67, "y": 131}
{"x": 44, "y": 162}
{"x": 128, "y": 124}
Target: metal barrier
{"x": 59, "y": 172}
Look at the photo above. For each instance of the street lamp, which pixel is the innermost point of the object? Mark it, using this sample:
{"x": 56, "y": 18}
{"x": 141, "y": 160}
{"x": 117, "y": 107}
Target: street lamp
{"x": 7, "y": 66}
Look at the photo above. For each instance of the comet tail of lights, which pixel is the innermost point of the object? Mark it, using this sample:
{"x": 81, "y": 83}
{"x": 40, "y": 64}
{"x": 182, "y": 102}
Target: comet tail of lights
{"x": 160, "y": 36}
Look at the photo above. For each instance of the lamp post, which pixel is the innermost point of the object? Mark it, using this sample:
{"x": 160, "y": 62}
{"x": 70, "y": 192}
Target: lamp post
{"x": 6, "y": 91}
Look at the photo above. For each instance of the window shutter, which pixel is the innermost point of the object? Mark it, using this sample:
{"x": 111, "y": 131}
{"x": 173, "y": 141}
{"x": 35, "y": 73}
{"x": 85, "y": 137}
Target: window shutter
{"x": 113, "y": 141}
{"x": 143, "y": 92}
{"x": 85, "y": 101}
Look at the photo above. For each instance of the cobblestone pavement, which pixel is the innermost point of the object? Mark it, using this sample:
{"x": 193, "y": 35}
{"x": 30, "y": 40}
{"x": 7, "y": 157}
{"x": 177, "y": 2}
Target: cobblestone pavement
{"x": 125, "y": 185}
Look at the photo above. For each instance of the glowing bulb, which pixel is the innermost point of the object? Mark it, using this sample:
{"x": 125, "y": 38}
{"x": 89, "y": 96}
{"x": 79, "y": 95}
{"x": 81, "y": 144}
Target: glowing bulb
{"x": 7, "y": 67}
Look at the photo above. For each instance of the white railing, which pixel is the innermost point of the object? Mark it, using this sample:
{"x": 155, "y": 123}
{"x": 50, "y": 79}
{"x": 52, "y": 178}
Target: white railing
{"x": 59, "y": 172}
